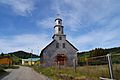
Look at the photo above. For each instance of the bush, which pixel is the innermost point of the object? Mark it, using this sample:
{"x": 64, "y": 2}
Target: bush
{"x": 2, "y": 71}
{"x": 9, "y": 67}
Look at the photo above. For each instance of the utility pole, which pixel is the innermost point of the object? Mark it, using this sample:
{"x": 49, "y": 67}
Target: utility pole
{"x": 31, "y": 56}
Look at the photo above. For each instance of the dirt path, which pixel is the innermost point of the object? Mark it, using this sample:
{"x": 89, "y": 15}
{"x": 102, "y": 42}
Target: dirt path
{"x": 24, "y": 73}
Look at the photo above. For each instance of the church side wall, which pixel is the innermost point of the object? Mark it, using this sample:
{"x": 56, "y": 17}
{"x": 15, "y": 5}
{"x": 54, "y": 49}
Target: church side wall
{"x": 71, "y": 53}
{"x": 48, "y": 53}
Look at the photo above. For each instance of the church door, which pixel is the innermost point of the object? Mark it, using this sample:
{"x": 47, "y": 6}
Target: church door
{"x": 61, "y": 59}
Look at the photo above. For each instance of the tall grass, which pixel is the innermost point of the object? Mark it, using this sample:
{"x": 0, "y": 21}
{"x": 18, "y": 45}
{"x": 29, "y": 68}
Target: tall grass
{"x": 86, "y": 72}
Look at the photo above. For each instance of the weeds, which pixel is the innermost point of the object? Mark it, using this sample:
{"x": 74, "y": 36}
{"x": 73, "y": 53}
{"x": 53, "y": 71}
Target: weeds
{"x": 82, "y": 72}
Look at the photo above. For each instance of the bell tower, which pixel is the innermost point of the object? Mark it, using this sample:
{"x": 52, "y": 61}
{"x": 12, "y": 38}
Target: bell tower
{"x": 58, "y": 26}
{"x": 58, "y": 30}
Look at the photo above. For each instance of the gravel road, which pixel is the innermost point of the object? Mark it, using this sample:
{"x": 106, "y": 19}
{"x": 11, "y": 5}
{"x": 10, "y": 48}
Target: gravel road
{"x": 24, "y": 73}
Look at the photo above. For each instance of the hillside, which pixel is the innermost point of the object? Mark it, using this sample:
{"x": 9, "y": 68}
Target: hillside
{"x": 94, "y": 56}
{"x": 114, "y": 50}
{"x": 100, "y": 51}
{"x": 23, "y": 54}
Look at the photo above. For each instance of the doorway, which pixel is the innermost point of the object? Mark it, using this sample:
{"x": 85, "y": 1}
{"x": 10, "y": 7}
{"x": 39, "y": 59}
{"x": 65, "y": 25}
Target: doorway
{"x": 60, "y": 59}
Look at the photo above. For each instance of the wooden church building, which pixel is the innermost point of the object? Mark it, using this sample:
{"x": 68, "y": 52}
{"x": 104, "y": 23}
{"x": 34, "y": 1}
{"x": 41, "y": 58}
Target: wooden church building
{"x": 60, "y": 51}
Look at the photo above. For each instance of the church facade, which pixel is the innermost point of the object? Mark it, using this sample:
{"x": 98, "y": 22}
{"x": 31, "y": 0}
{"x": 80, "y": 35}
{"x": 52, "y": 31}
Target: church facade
{"x": 60, "y": 51}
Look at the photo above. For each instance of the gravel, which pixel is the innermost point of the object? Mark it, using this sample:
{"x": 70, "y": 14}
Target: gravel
{"x": 24, "y": 73}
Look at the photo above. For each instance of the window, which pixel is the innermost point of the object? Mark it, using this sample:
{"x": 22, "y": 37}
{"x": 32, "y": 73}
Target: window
{"x": 60, "y": 38}
{"x": 63, "y": 45}
{"x": 59, "y": 29}
{"x": 57, "y": 45}
{"x": 58, "y": 22}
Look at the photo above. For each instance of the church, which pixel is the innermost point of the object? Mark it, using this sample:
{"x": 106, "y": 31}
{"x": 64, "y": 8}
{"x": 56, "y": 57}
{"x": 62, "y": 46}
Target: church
{"x": 60, "y": 51}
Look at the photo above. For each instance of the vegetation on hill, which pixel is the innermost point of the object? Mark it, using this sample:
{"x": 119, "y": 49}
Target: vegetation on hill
{"x": 23, "y": 55}
{"x": 100, "y": 52}
{"x": 95, "y": 56}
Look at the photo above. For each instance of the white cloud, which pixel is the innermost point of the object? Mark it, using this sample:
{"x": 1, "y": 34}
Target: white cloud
{"x": 24, "y": 42}
{"x": 46, "y": 23}
{"x": 97, "y": 39}
{"x": 20, "y": 7}
{"x": 83, "y": 13}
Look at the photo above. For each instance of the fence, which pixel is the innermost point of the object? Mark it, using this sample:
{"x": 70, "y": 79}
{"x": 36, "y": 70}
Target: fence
{"x": 107, "y": 66}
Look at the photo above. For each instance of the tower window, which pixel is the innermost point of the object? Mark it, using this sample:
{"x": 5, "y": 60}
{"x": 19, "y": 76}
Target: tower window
{"x": 59, "y": 29}
{"x": 63, "y": 45}
{"x": 57, "y": 45}
{"x": 60, "y": 38}
{"x": 58, "y": 22}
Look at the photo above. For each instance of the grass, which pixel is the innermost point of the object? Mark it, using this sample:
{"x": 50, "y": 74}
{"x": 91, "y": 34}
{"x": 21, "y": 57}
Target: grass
{"x": 2, "y": 71}
{"x": 9, "y": 66}
{"x": 49, "y": 71}
{"x": 82, "y": 72}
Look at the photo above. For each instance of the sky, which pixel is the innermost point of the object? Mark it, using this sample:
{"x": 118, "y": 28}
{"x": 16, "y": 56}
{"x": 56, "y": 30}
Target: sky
{"x": 29, "y": 24}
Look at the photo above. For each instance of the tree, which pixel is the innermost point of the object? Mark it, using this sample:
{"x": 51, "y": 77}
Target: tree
{"x": 2, "y": 54}
{"x": 98, "y": 52}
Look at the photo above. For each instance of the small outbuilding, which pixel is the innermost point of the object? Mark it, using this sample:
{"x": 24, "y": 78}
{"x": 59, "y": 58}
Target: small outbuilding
{"x": 5, "y": 60}
{"x": 31, "y": 61}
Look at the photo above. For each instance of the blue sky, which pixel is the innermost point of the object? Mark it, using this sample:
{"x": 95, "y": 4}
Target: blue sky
{"x": 29, "y": 24}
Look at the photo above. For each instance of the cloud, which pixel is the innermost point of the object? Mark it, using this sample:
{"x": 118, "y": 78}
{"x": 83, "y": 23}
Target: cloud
{"x": 20, "y": 7}
{"x": 24, "y": 42}
{"x": 83, "y": 13}
{"x": 97, "y": 39}
{"x": 46, "y": 23}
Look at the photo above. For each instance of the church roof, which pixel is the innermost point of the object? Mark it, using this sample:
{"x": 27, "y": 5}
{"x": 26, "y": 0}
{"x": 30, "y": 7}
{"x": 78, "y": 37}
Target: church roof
{"x": 46, "y": 47}
{"x": 72, "y": 45}
{"x": 53, "y": 42}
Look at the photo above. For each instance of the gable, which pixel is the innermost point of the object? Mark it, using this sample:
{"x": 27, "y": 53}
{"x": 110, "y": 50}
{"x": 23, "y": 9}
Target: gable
{"x": 72, "y": 45}
{"x": 46, "y": 47}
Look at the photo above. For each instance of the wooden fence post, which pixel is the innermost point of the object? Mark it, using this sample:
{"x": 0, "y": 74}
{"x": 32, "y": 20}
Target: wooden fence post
{"x": 74, "y": 64}
{"x": 110, "y": 65}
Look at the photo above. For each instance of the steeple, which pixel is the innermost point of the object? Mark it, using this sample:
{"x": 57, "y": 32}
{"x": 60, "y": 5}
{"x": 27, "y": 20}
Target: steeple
{"x": 58, "y": 28}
